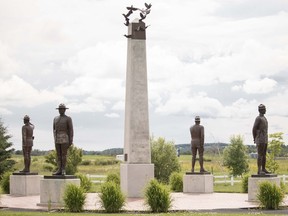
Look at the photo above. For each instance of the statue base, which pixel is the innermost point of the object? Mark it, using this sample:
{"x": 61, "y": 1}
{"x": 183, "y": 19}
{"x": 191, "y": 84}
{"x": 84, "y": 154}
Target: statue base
{"x": 134, "y": 178}
{"x": 197, "y": 182}
{"x": 52, "y": 189}
{"x": 25, "y": 184}
{"x": 254, "y": 181}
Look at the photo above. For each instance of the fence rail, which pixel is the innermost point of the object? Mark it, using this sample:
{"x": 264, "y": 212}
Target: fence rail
{"x": 224, "y": 179}
{"x": 231, "y": 179}
{"x": 97, "y": 178}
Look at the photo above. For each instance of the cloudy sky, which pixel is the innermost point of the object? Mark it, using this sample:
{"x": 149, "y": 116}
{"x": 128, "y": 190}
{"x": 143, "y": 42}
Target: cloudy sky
{"x": 215, "y": 58}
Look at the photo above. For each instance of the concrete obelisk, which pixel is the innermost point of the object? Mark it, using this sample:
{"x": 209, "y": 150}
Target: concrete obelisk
{"x": 137, "y": 170}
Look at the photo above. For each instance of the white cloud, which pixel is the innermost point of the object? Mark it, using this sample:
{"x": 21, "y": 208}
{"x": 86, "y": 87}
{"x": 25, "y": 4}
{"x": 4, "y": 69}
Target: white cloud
{"x": 263, "y": 86}
{"x": 112, "y": 115}
{"x": 16, "y": 92}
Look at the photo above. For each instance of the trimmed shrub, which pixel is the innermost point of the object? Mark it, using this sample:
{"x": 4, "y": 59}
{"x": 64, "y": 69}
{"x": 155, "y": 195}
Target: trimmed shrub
{"x": 111, "y": 197}
{"x": 113, "y": 177}
{"x": 245, "y": 183}
{"x": 176, "y": 182}
{"x": 157, "y": 196}
{"x": 5, "y": 182}
{"x": 105, "y": 162}
{"x": 86, "y": 162}
{"x": 85, "y": 182}
{"x": 74, "y": 198}
{"x": 270, "y": 195}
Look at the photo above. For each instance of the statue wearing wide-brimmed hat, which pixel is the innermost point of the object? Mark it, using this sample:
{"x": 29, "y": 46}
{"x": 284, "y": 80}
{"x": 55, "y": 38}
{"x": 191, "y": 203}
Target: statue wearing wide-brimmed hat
{"x": 63, "y": 137}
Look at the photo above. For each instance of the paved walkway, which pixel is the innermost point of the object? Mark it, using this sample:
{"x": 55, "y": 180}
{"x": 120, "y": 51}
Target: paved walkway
{"x": 181, "y": 201}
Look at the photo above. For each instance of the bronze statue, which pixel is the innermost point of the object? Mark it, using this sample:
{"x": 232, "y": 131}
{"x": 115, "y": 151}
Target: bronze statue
{"x": 143, "y": 13}
{"x": 260, "y": 136}
{"x": 197, "y": 143}
{"x": 63, "y": 136}
{"x": 27, "y": 143}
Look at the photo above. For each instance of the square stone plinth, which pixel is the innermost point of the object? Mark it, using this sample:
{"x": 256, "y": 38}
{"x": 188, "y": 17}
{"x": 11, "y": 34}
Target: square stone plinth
{"x": 52, "y": 190}
{"x": 25, "y": 185}
{"x": 198, "y": 183}
{"x": 253, "y": 184}
{"x": 134, "y": 178}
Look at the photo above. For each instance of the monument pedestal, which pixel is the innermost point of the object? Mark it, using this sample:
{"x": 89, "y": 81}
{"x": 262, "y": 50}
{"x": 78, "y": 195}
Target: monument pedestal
{"x": 254, "y": 181}
{"x": 135, "y": 177}
{"x": 25, "y": 184}
{"x": 198, "y": 183}
{"x": 52, "y": 189}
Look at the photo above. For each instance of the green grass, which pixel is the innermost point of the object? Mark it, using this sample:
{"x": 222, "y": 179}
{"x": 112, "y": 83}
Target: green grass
{"x": 10, "y": 213}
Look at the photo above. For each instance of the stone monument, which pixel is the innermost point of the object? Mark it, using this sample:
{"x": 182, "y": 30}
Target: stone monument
{"x": 24, "y": 182}
{"x": 197, "y": 182}
{"x": 137, "y": 170}
{"x": 260, "y": 136}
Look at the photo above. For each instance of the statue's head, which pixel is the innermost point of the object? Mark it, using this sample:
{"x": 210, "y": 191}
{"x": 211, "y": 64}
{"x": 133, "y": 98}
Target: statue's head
{"x": 197, "y": 119}
{"x": 62, "y": 108}
{"x": 26, "y": 119}
{"x": 262, "y": 109}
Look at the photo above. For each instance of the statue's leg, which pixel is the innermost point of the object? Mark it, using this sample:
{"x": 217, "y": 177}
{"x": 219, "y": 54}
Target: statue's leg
{"x": 24, "y": 150}
{"x": 201, "y": 159}
{"x": 260, "y": 158}
{"x": 194, "y": 153}
{"x": 64, "y": 158}
{"x": 58, "y": 155}
{"x": 28, "y": 158}
{"x": 264, "y": 159}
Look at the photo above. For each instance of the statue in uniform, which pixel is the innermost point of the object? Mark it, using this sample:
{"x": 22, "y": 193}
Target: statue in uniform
{"x": 27, "y": 143}
{"x": 260, "y": 136}
{"x": 197, "y": 144}
{"x": 63, "y": 136}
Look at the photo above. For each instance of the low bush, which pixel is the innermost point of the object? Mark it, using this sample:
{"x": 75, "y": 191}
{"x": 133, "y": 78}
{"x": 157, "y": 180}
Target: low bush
{"x": 48, "y": 167}
{"x": 74, "y": 198}
{"x": 86, "y": 162}
{"x": 85, "y": 182}
{"x": 244, "y": 183}
{"x": 105, "y": 162}
{"x": 5, "y": 182}
{"x": 157, "y": 196}
{"x": 270, "y": 195}
{"x": 111, "y": 197}
{"x": 176, "y": 182}
{"x": 113, "y": 177}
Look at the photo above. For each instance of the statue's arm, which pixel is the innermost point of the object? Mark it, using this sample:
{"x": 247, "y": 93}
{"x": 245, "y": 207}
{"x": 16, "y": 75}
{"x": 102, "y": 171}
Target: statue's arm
{"x": 71, "y": 131}
{"x": 23, "y": 135}
{"x": 255, "y": 128}
{"x": 202, "y": 136}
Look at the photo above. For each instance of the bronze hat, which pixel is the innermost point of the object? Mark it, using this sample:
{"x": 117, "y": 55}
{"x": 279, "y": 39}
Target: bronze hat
{"x": 62, "y": 106}
{"x": 197, "y": 118}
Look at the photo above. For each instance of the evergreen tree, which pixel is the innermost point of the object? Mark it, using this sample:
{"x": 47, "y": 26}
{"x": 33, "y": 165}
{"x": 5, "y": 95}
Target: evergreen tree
{"x": 235, "y": 156}
{"x": 6, "y": 163}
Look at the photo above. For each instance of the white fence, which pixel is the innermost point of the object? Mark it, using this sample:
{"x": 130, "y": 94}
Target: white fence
{"x": 97, "y": 178}
{"x": 225, "y": 179}
{"x": 231, "y": 180}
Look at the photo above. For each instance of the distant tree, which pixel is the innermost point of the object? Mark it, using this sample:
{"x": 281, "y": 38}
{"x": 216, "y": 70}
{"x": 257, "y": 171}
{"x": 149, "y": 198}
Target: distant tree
{"x": 6, "y": 163}
{"x": 235, "y": 157}
{"x": 164, "y": 158}
{"x": 74, "y": 158}
{"x": 274, "y": 150}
